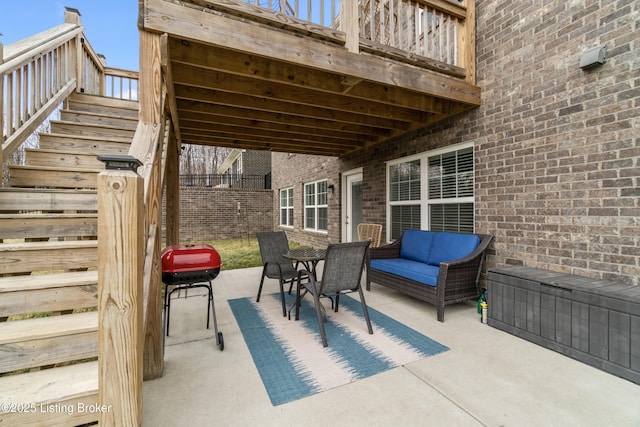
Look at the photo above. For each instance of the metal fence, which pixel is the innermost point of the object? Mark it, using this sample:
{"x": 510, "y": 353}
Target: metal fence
{"x": 247, "y": 182}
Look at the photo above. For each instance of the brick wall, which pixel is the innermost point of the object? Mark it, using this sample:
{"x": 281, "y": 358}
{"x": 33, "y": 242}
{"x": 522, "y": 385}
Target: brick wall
{"x": 557, "y": 148}
{"x": 220, "y": 213}
{"x": 294, "y": 170}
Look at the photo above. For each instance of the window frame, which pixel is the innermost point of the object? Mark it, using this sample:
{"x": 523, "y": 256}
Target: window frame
{"x": 315, "y": 206}
{"x": 289, "y": 208}
{"x": 424, "y": 201}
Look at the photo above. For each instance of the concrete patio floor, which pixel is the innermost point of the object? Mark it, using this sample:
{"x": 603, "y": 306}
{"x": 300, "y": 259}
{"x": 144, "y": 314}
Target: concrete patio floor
{"x": 487, "y": 378}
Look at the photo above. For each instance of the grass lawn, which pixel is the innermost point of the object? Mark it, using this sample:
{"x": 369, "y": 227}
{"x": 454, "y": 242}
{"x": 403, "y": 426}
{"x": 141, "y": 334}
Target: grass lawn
{"x": 241, "y": 253}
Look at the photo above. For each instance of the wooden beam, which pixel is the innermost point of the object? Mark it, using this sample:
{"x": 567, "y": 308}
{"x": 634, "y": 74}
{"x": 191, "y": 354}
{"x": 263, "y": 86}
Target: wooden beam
{"x": 120, "y": 296}
{"x": 255, "y": 132}
{"x": 299, "y": 77}
{"x": 165, "y": 61}
{"x": 172, "y": 193}
{"x": 264, "y": 104}
{"x": 323, "y": 122}
{"x": 208, "y": 79}
{"x": 150, "y": 84}
{"x": 284, "y": 127}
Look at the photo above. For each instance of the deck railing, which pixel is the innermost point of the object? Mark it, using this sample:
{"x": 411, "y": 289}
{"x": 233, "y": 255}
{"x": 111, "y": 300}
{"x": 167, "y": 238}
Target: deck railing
{"x": 437, "y": 34}
{"x": 39, "y": 72}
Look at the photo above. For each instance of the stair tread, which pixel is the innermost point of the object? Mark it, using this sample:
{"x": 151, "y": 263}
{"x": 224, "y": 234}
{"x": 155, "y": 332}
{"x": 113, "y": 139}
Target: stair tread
{"x": 86, "y": 98}
{"x": 45, "y": 281}
{"x": 50, "y": 385}
{"x": 36, "y": 246}
{"x": 87, "y": 138}
{"x": 49, "y": 190}
{"x": 56, "y": 151}
{"x": 48, "y": 215}
{"x": 47, "y": 327}
{"x": 92, "y": 113}
{"x": 96, "y": 125}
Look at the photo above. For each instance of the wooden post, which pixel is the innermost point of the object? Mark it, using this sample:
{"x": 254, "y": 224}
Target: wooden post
{"x": 151, "y": 116}
{"x": 350, "y": 25}
{"x": 1, "y": 108}
{"x": 467, "y": 42}
{"x": 72, "y": 16}
{"x": 172, "y": 205}
{"x": 120, "y": 296}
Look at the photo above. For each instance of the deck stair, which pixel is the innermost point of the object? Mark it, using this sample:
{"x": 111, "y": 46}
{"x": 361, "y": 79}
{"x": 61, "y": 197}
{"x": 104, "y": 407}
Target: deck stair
{"x": 48, "y": 261}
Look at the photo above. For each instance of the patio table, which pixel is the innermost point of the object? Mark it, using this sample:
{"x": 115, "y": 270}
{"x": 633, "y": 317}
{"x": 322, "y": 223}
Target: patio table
{"x": 310, "y": 259}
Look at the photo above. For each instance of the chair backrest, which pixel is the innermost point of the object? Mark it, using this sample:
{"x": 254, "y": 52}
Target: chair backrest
{"x": 272, "y": 245}
{"x": 343, "y": 266}
{"x": 371, "y": 232}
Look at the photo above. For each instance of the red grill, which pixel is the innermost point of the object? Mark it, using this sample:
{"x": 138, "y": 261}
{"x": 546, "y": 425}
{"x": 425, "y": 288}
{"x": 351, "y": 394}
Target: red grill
{"x": 190, "y": 266}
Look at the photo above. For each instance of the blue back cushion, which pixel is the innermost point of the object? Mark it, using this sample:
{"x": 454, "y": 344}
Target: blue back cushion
{"x": 451, "y": 246}
{"x": 416, "y": 245}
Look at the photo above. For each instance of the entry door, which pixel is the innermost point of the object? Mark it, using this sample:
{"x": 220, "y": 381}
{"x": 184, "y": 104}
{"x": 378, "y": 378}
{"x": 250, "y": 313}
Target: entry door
{"x": 353, "y": 206}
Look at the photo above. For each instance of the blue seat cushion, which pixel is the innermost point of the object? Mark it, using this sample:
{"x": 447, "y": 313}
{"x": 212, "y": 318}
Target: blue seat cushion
{"x": 451, "y": 246}
{"x": 416, "y": 245}
{"x": 414, "y": 270}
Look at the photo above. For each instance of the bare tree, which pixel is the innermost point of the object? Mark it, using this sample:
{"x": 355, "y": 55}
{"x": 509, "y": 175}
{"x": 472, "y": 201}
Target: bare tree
{"x": 201, "y": 159}
{"x": 20, "y": 155}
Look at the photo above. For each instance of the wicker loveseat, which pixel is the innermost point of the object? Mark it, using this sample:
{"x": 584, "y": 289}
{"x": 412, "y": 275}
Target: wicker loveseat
{"x": 437, "y": 267}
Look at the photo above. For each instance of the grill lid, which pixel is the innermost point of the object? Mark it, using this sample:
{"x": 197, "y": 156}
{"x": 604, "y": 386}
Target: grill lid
{"x": 190, "y": 258}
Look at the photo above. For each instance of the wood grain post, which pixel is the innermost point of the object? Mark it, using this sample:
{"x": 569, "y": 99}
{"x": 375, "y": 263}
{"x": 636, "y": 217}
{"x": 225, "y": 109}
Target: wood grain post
{"x": 467, "y": 42}
{"x": 173, "y": 193}
{"x": 1, "y": 109}
{"x": 351, "y": 22}
{"x": 120, "y": 296}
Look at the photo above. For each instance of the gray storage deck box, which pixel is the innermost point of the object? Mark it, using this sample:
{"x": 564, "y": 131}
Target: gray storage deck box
{"x": 594, "y": 321}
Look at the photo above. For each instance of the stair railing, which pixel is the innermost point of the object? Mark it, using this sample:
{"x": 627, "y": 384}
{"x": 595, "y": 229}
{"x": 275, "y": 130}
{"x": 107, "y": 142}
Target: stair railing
{"x": 130, "y": 333}
{"x": 36, "y": 75}
{"x": 40, "y": 71}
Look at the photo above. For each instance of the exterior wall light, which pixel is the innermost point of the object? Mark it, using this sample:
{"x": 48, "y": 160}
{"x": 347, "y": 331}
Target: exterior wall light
{"x": 593, "y": 57}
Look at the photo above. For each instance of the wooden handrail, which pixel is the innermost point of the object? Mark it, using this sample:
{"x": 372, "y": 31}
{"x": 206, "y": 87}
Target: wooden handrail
{"x": 40, "y": 71}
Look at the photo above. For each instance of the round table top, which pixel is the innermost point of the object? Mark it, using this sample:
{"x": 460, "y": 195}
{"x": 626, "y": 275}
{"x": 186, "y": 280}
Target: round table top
{"x": 305, "y": 255}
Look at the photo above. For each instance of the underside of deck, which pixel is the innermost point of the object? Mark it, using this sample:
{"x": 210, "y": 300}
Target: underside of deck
{"x": 244, "y": 77}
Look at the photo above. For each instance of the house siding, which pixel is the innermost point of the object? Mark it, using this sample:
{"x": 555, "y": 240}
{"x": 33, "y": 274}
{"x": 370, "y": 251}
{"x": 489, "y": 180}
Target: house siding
{"x": 557, "y": 175}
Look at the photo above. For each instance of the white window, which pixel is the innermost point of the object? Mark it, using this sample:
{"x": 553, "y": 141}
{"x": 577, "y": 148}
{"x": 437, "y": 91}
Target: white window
{"x": 315, "y": 206}
{"x": 432, "y": 191}
{"x": 286, "y": 207}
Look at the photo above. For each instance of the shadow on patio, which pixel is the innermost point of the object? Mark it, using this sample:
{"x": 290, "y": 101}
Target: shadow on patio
{"x": 487, "y": 378}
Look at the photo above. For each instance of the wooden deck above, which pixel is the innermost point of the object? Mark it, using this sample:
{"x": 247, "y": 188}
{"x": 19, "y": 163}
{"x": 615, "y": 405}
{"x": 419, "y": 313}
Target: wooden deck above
{"x": 244, "y": 76}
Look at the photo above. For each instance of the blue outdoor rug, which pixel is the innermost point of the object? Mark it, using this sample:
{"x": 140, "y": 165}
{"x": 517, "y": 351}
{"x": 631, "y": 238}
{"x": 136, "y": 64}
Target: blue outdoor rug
{"x": 289, "y": 354}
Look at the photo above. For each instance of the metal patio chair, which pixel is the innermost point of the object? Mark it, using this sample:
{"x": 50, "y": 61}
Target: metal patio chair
{"x": 342, "y": 273}
{"x": 273, "y": 245}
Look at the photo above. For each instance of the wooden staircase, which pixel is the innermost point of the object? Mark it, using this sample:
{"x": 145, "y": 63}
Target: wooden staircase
{"x": 48, "y": 261}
